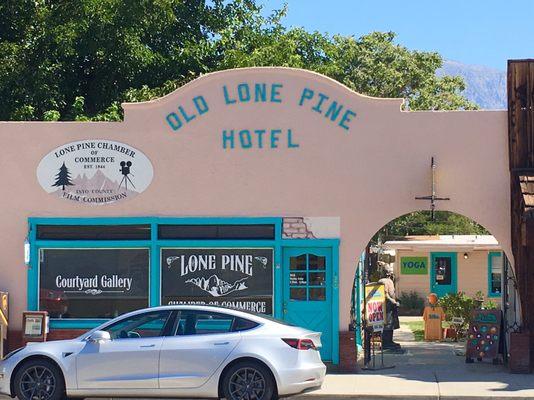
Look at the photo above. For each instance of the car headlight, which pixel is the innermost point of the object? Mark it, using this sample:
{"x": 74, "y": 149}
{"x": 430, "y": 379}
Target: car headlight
{"x": 12, "y": 353}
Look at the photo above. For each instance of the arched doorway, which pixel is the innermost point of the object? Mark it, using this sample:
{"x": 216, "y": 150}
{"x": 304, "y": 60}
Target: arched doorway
{"x": 450, "y": 255}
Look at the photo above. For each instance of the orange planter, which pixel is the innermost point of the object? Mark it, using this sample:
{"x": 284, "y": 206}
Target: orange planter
{"x": 450, "y": 333}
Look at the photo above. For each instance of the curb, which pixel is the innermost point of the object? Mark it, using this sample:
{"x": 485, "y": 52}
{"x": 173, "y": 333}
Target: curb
{"x": 366, "y": 397}
{"x": 402, "y": 397}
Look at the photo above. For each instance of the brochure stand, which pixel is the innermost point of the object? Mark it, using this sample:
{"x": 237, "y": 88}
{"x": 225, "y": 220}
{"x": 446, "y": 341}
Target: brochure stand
{"x": 4, "y": 321}
{"x": 34, "y": 326}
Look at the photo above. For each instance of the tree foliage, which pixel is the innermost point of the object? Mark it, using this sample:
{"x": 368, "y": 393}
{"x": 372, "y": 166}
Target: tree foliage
{"x": 420, "y": 223}
{"x": 78, "y": 60}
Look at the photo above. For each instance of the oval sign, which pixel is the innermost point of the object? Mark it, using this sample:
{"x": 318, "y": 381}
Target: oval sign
{"x": 95, "y": 172}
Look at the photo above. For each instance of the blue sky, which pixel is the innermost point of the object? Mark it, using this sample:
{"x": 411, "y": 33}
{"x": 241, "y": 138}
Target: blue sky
{"x": 470, "y": 31}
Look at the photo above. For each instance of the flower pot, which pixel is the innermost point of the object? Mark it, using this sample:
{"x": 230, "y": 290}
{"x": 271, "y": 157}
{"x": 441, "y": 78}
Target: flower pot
{"x": 450, "y": 333}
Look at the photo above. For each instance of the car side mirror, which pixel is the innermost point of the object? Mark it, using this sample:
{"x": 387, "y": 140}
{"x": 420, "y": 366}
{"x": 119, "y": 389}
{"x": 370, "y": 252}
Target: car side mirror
{"x": 99, "y": 336}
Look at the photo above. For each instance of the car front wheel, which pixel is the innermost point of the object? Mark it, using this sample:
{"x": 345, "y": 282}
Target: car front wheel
{"x": 39, "y": 380}
{"x": 248, "y": 381}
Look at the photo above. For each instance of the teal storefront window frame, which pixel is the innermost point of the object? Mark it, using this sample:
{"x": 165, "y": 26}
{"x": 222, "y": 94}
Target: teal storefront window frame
{"x": 491, "y": 255}
{"x": 154, "y": 245}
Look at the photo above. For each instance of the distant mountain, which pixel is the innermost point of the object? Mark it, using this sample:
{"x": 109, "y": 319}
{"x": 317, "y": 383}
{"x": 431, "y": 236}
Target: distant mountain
{"x": 98, "y": 182}
{"x": 484, "y": 86}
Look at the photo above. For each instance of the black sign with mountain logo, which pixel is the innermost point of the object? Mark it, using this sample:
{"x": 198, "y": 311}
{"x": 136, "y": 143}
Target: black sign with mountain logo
{"x": 239, "y": 278}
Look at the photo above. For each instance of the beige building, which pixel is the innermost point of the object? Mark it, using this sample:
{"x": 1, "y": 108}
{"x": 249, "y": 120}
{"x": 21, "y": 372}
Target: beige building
{"x": 449, "y": 264}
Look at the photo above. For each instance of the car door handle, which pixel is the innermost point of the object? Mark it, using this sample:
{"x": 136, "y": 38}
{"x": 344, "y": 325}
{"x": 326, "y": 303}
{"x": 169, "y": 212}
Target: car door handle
{"x": 220, "y": 343}
{"x": 147, "y": 346}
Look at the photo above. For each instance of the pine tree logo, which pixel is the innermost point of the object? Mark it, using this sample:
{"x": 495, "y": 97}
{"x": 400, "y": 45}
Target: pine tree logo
{"x": 63, "y": 177}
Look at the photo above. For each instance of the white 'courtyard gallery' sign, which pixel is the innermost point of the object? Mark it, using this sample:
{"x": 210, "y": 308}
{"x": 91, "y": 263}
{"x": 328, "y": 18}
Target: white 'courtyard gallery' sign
{"x": 95, "y": 172}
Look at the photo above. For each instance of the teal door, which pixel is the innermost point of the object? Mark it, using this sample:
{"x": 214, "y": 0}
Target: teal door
{"x": 443, "y": 273}
{"x": 308, "y": 292}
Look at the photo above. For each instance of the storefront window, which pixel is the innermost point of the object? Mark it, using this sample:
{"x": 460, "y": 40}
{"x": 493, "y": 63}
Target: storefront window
{"x": 101, "y": 268}
{"x": 307, "y": 278}
{"x": 93, "y": 283}
{"x": 216, "y": 232}
{"x": 443, "y": 268}
{"x": 239, "y": 278}
{"x": 297, "y": 294}
{"x": 317, "y": 294}
{"x": 298, "y": 263}
{"x": 495, "y": 273}
{"x": 93, "y": 232}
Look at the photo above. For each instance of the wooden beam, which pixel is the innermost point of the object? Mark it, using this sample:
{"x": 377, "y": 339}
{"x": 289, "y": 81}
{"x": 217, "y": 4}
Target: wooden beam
{"x": 521, "y": 158}
{"x": 529, "y": 264}
{"x": 518, "y": 110}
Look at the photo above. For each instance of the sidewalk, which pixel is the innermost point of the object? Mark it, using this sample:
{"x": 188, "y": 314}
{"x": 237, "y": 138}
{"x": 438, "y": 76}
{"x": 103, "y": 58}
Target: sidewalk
{"x": 427, "y": 371}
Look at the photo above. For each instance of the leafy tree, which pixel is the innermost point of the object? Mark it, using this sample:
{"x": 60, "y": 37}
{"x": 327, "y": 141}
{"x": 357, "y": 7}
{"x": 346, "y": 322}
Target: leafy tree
{"x": 78, "y": 60}
{"x": 52, "y": 53}
{"x": 373, "y": 64}
{"x": 420, "y": 223}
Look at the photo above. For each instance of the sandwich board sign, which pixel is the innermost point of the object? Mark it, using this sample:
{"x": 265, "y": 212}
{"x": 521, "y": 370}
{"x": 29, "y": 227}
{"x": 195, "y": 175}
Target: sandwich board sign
{"x": 375, "y": 306}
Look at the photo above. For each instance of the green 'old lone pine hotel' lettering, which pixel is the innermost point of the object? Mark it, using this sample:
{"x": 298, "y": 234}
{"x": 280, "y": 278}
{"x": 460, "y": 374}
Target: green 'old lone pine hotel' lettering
{"x": 262, "y": 137}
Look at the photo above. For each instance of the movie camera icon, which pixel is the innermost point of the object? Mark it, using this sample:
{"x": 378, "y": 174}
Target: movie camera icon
{"x": 125, "y": 171}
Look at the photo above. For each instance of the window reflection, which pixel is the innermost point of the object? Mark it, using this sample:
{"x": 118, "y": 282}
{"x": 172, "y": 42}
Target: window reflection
{"x": 297, "y": 294}
{"x": 92, "y": 283}
{"x": 309, "y": 283}
{"x": 298, "y": 263}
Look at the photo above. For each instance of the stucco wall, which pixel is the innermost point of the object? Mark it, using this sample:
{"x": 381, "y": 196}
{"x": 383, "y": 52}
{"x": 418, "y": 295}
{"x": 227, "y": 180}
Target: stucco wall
{"x": 472, "y": 274}
{"x": 366, "y": 175}
{"x": 407, "y": 283}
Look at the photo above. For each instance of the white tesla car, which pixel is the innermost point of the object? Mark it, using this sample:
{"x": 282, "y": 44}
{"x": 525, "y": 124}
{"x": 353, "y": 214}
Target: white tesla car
{"x": 171, "y": 351}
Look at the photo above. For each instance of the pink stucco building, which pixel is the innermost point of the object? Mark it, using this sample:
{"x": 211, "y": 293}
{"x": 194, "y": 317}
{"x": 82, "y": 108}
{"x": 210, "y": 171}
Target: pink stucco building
{"x": 257, "y": 188}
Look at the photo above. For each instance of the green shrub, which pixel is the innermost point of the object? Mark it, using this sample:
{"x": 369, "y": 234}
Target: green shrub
{"x": 489, "y": 305}
{"x": 412, "y": 301}
{"x": 486, "y": 304}
{"x": 460, "y": 305}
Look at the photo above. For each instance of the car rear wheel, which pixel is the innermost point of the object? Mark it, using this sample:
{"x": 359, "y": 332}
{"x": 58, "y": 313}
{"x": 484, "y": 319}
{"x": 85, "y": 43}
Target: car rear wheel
{"x": 248, "y": 381}
{"x": 39, "y": 380}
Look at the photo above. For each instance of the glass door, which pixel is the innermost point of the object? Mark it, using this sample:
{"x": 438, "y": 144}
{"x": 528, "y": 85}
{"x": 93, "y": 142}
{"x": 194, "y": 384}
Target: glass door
{"x": 308, "y": 292}
{"x": 443, "y": 275}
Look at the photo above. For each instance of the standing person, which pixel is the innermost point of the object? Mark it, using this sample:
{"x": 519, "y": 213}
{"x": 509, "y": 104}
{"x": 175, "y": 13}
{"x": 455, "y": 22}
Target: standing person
{"x": 392, "y": 307}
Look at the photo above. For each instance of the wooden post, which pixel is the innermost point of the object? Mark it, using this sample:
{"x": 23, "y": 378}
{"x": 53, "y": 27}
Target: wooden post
{"x": 521, "y": 152}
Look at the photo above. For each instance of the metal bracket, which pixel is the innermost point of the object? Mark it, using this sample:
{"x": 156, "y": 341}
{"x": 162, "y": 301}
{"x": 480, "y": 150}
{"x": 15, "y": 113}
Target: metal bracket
{"x": 432, "y": 198}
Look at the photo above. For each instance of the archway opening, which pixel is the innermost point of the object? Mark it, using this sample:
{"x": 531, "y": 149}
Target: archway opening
{"x": 452, "y": 257}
